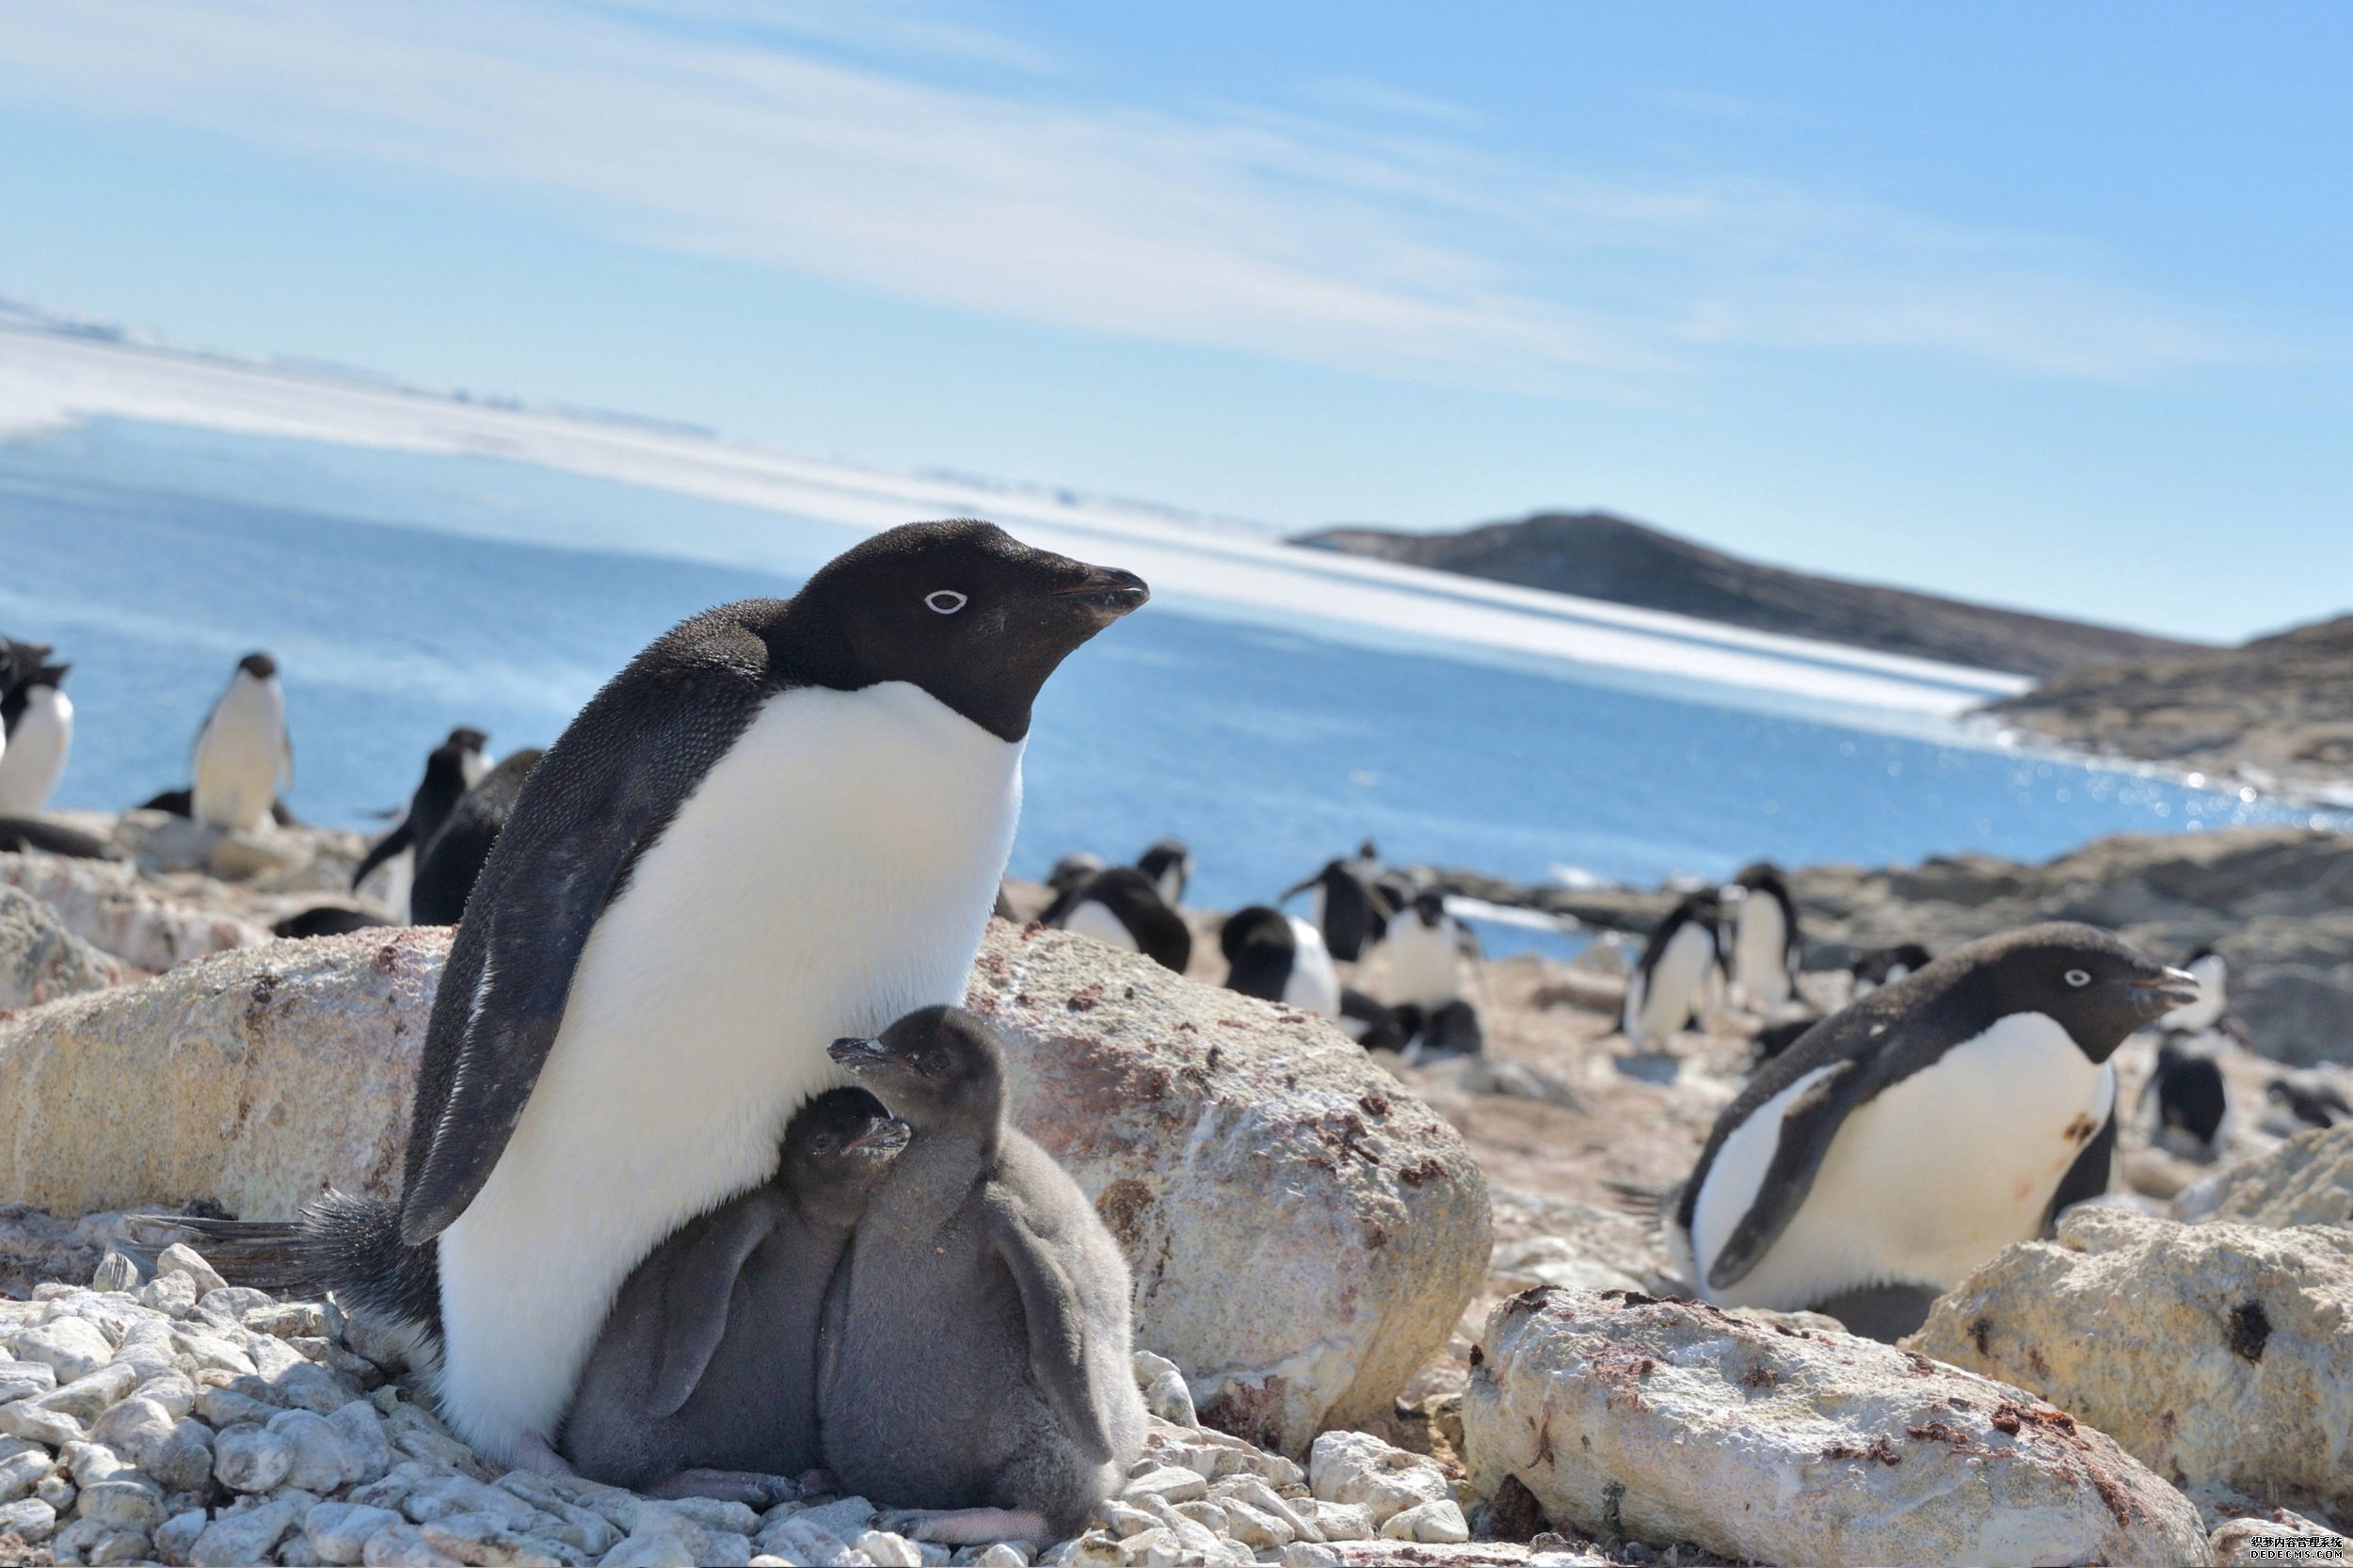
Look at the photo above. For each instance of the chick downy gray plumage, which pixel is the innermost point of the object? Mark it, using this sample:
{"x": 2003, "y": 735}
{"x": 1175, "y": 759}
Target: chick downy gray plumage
{"x": 977, "y": 1342}
{"x": 704, "y": 1380}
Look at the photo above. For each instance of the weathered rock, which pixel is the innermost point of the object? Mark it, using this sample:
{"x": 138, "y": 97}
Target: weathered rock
{"x": 41, "y": 960}
{"x": 1182, "y": 1111}
{"x": 1652, "y": 1420}
{"x": 2307, "y": 1180}
{"x": 245, "y": 1535}
{"x": 107, "y": 905}
{"x": 258, "y": 1078}
{"x": 2213, "y": 1352}
{"x": 254, "y": 1077}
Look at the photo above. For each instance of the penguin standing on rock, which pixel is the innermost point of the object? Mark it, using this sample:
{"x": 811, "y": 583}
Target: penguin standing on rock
{"x": 782, "y": 823}
{"x": 36, "y": 733}
{"x": 451, "y": 768}
{"x": 1679, "y": 976}
{"x": 1279, "y": 957}
{"x": 243, "y": 752}
{"x": 1911, "y": 1136}
{"x": 1345, "y": 908}
{"x": 977, "y": 1348}
{"x": 1766, "y": 943}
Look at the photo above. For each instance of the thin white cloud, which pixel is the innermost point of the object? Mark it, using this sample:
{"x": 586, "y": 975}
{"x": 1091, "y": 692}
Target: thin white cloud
{"x": 1404, "y": 254}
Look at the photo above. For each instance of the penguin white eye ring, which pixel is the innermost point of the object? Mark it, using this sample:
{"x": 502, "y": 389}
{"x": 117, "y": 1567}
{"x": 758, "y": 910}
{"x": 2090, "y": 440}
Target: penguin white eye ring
{"x": 945, "y": 602}
{"x": 2079, "y": 977}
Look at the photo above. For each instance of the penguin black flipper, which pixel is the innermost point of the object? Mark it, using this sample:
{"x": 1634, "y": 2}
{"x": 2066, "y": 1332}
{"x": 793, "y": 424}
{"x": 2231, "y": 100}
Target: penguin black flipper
{"x": 1057, "y": 1330}
{"x": 625, "y": 766}
{"x": 2088, "y": 1177}
{"x": 697, "y": 1296}
{"x": 384, "y": 849}
{"x": 1807, "y": 1126}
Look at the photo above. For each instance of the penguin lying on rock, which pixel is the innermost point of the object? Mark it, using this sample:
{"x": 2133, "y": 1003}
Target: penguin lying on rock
{"x": 1123, "y": 906}
{"x": 1912, "y": 1135}
{"x": 976, "y": 1352}
{"x": 1280, "y": 958}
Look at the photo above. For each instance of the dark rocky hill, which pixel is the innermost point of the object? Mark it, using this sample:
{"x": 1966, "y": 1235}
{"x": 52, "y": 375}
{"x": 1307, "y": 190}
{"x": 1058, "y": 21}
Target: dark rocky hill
{"x": 1601, "y": 556}
{"x": 2280, "y": 706}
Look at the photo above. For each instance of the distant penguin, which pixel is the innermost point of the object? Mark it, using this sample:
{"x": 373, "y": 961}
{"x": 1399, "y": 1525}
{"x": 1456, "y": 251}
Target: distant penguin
{"x": 37, "y": 718}
{"x": 782, "y": 823}
{"x": 1072, "y": 871}
{"x": 2213, "y": 999}
{"x": 1678, "y": 976}
{"x": 1766, "y": 942}
{"x": 1451, "y": 1028}
{"x": 2311, "y": 1102}
{"x": 1424, "y": 945}
{"x": 2189, "y": 1106}
{"x": 703, "y": 1381}
{"x": 1912, "y": 1135}
{"x": 1780, "y": 1035}
{"x": 243, "y": 752}
{"x": 449, "y": 863}
{"x": 181, "y": 803}
{"x": 1343, "y": 908}
{"x": 1169, "y": 864}
{"x": 50, "y": 837}
{"x": 1885, "y": 966}
{"x": 451, "y": 768}
{"x": 325, "y": 920}
{"x": 1373, "y": 1024}
{"x": 1280, "y": 958}
{"x": 1122, "y": 907}
{"x": 977, "y": 1348}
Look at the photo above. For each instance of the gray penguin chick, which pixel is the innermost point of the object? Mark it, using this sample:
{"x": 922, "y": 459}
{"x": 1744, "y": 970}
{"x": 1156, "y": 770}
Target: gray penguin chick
{"x": 703, "y": 1381}
{"x": 976, "y": 1360}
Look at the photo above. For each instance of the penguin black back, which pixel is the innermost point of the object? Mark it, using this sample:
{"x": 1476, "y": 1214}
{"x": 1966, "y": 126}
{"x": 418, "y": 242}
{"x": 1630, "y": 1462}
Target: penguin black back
{"x": 449, "y": 863}
{"x": 1351, "y": 915}
{"x": 1132, "y": 897}
{"x": 429, "y": 804}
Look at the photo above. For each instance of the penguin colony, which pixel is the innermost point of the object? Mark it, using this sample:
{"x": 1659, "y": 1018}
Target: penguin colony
{"x": 723, "y": 922}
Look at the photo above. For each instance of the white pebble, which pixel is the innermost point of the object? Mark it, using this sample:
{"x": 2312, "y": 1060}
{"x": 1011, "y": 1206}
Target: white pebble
{"x": 179, "y": 1257}
{"x": 339, "y": 1532}
{"x": 1438, "y": 1523}
{"x": 252, "y": 1459}
{"x": 30, "y": 1518}
{"x": 71, "y": 1347}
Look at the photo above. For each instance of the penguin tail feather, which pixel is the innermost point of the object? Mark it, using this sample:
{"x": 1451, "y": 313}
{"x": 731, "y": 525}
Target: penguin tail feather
{"x": 346, "y": 1245}
{"x": 1644, "y": 1200}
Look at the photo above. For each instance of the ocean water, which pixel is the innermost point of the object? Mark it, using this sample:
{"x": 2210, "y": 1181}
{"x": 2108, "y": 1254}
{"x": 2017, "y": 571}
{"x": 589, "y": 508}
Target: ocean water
{"x": 405, "y": 593}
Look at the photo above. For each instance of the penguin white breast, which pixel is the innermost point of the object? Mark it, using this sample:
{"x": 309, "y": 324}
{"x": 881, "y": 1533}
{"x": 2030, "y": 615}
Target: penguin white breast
{"x": 1676, "y": 986}
{"x": 1760, "y": 951}
{"x": 1421, "y": 963}
{"x": 1921, "y": 1183}
{"x": 36, "y": 748}
{"x": 239, "y": 754}
{"x": 1092, "y": 920}
{"x": 1313, "y": 986}
{"x": 2206, "y": 1012}
{"x": 832, "y": 872}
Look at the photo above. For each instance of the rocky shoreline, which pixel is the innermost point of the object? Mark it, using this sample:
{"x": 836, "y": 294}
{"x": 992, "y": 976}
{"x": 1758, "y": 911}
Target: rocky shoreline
{"x": 1386, "y": 1313}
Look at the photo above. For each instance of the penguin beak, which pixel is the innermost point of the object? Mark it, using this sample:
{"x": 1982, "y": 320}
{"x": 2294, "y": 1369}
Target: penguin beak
{"x": 861, "y": 1055}
{"x": 1109, "y": 592}
{"x": 2168, "y": 989}
{"x": 881, "y": 1140}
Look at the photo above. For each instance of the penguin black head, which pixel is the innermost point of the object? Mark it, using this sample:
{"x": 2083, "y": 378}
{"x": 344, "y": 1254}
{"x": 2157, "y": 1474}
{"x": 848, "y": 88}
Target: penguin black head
{"x": 1254, "y": 928}
{"x": 52, "y": 675}
{"x": 1169, "y": 864}
{"x": 1429, "y": 908}
{"x": 467, "y": 740}
{"x": 2098, "y": 987}
{"x": 961, "y": 609}
{"x": 937, "y": 1064}
{"x": 1762, "y": 876}
{"x": 259, "y": 666}
{"x": 843, "y": 1132}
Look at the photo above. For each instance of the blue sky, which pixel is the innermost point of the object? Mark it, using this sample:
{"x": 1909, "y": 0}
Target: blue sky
{"x": 2044, "y": 305}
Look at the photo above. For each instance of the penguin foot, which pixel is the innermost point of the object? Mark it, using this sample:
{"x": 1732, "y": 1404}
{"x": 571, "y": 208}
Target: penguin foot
{"x": 971, "y": 1527}
{"x": 730, "y": 1486}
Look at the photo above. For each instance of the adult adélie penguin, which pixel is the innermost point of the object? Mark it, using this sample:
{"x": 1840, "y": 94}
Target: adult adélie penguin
{"x": 783, "y": 823}
{"x": 36, "y": 732}
{"x": 1680, "y": 975}
{"x": 243, "y": 756}
{"x": 1914, "y": 1134}
{"x": 1766, "y": 942}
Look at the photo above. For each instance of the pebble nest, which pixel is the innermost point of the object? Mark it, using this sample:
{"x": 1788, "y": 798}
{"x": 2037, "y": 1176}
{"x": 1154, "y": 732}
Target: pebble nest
{"x": 182, "y": 1420}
